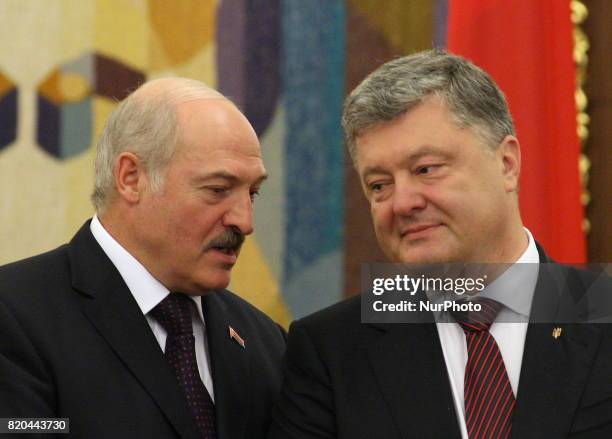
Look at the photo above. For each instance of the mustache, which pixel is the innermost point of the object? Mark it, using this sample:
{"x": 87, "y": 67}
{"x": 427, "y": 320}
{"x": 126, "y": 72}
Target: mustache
{"x": 230, "y": 238}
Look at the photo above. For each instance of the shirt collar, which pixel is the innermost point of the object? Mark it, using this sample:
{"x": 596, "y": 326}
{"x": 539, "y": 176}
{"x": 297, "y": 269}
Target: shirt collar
{"x": 515, "y": 287}
{"x": 147, "y": 290}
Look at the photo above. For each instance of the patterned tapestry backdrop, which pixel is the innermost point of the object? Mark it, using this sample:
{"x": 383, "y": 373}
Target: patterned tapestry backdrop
{"x": 286, "y": 63}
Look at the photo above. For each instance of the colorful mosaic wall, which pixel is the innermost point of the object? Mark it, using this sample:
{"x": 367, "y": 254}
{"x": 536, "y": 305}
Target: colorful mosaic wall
{"x": 286, "y": 63}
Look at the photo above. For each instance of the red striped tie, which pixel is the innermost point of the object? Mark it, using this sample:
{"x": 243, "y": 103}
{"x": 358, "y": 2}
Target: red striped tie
{"x": 489, "y": 400}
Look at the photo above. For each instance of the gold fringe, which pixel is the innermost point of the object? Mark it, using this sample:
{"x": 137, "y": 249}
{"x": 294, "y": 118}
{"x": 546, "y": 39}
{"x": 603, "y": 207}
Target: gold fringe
{"x": 581, "y": 58}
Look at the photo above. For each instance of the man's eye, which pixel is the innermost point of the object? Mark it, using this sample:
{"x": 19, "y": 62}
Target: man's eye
{"x": 376, "y": 187}
{"x": 425, "y": 169}
{"x": 218, "y": 190}
{"x": 254, "y": 194}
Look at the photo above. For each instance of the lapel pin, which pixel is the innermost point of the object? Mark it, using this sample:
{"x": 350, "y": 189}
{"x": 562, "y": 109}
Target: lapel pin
{"x": 556, "y": 333}
{"x": 233, "y": 334}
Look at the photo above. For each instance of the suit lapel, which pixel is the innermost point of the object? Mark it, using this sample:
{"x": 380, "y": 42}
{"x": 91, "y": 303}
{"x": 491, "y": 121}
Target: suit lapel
{"x": 111, "y": 308}
{"x": 554, "y": 370}
{"x": 410, "y": 370}
{"x": 553, "y": 375}
{"x": 230, "y": 368}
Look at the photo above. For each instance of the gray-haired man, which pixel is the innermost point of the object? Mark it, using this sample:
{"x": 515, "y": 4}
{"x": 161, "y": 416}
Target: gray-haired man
{"x": 433, "y": 143}
{"x": 128, "y": 330}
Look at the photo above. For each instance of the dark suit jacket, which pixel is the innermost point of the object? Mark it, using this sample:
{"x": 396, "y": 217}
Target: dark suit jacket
{"x": 74, "y": 343}
{"x": 349, "y": 380}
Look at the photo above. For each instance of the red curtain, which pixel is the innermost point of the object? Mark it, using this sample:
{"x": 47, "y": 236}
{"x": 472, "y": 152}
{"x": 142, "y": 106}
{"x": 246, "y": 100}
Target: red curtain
{"x": 526, "y": 46}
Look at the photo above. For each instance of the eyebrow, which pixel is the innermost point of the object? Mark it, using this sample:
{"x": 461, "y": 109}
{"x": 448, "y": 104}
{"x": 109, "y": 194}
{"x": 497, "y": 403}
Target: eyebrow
{"x": 373, "y": 170}
{"x": 225, "y": 176}
{"x": 427, "y": 150}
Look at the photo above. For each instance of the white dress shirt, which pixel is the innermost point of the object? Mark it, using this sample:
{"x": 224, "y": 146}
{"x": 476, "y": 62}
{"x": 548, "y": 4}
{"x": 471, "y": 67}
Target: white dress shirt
{"x": 514, "y": 289}
{"x": 149, "y": 292}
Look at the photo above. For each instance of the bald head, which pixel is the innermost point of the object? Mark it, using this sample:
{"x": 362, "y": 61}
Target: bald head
{"x": 175, "y": 91}
{"x": 145, "y": 123}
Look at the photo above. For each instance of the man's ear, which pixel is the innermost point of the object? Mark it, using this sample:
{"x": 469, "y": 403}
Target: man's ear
{"x": 129, "y": 176}
{"x": 509, "y": 152}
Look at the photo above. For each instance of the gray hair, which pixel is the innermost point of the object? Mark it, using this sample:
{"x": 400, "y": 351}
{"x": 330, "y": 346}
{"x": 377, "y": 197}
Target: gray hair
{"x": 396, "y": 87}
{"x": 145, "y": 124}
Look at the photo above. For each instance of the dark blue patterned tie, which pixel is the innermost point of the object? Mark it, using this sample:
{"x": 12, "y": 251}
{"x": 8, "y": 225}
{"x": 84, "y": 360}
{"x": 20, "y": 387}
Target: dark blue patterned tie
{"x": 174, "y": 314}
{"x": 489, "y": 401}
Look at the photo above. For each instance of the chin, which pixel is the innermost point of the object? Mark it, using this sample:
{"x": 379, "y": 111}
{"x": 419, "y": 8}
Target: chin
{"x": 199, "y": 287}
{"x": 218, "y": 281}
{"x": 423, "y": 260}
{"x": 208, "y": 277}
{"x": 215, "y": 285}
{"x": 426, "y": 256}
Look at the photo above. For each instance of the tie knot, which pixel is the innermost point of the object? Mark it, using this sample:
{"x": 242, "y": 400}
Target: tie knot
{"x": 174, "y": 314}
{"x": 476, "y": 321}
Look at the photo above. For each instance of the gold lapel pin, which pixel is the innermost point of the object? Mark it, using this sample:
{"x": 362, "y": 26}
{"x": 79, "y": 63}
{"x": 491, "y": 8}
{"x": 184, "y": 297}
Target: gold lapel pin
{"x": 556, "y": 333}
{"x": 234, "y": 335}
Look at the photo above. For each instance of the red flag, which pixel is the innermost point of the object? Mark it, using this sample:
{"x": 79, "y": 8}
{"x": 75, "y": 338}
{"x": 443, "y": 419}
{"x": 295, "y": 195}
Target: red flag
{"x": 234, "y": 335}
{"x": 527, "y": 46}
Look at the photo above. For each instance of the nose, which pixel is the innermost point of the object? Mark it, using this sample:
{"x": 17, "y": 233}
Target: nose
{"x": 240, "y": 214}
{"x": 408, "y": 198}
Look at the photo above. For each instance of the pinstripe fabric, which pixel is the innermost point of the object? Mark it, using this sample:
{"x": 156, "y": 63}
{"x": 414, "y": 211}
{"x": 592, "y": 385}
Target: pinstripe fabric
{"x": 489, "y": 400}
{"x": 174, "y": 314}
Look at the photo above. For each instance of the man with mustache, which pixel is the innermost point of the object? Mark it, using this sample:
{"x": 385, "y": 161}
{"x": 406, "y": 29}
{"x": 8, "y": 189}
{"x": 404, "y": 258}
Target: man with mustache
{"x": 433, "y": 142}
{"x": 128, "y": 330}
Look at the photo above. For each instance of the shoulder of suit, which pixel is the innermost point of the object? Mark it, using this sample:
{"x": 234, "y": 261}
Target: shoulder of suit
{"x": 339, "y": 317}
{"x": 334, "y": 331}
{"x": 579, "y": 278}
{"x": 38, "y": 289}
{"x": 237, "y": 305}
{"x": 34, "y": 274}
